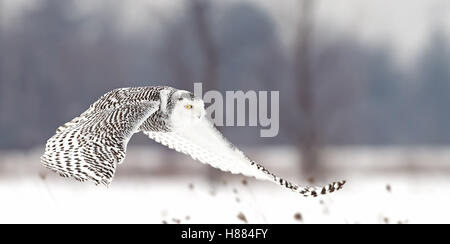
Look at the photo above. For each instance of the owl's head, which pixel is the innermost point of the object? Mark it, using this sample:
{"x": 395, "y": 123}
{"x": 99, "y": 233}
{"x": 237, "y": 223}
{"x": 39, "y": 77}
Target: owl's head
{"x": 185, "y": 108}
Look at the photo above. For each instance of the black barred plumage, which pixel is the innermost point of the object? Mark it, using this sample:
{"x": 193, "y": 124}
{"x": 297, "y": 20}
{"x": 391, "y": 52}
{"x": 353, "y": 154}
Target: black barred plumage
{"x": 305, "y": 191}
{"x": 90, "y": 146}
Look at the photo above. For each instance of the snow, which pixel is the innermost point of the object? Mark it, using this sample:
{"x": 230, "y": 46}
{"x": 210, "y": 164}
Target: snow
{"x": 33, "y": 196}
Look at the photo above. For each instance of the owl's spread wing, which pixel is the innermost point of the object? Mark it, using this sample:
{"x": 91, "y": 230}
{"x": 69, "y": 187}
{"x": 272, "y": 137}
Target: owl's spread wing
{"x": 203, "y": 142}
{"x": 90, "y": 146}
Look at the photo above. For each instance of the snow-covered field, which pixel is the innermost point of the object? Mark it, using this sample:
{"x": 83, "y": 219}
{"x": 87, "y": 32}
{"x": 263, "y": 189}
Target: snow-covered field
{"x": 29, "y": 195}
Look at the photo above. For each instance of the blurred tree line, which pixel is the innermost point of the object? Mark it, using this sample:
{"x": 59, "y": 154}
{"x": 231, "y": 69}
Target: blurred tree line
{"x": 53, "y": 65}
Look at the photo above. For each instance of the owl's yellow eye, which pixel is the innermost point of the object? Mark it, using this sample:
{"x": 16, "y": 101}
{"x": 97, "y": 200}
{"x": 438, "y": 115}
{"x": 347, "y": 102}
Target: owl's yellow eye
{"x": 188, "y": 106}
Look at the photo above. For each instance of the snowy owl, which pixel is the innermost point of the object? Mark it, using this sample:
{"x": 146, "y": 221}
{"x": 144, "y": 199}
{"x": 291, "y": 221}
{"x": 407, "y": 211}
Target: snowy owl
{"x": 92, "y": 145}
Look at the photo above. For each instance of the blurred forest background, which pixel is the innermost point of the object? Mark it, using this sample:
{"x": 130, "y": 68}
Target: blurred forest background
{"x": 370, "y": 73}
{"x": 364, "y": 96}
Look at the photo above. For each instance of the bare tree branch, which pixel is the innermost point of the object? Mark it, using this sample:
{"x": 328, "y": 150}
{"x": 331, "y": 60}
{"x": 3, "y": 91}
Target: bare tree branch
{"x": 206, "y": 42}
{"x": 308, "y": 134}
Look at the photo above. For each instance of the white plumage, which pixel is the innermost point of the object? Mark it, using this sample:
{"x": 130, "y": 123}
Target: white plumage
{"x": 90, "y": 146}
{"x": 204, "y": 143}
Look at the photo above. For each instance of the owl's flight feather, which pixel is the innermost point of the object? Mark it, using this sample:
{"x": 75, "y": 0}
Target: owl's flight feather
{"x": 206, "y": 144}
{"x": 90, "y": 146}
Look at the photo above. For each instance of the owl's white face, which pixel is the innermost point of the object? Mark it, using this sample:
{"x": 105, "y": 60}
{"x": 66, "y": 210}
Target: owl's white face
{"x": 188, "y": 110}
